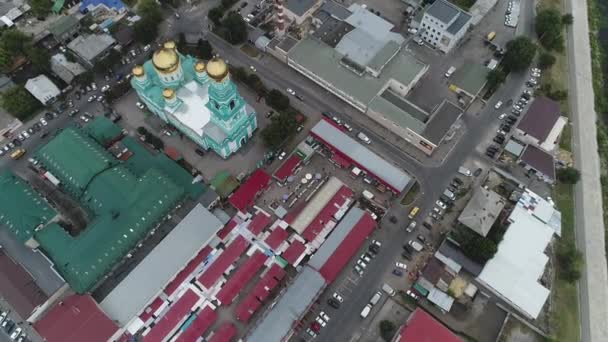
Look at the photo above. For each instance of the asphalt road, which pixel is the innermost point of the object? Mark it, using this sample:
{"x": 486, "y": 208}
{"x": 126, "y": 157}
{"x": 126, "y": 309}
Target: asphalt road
{"x": 593, "y": 284}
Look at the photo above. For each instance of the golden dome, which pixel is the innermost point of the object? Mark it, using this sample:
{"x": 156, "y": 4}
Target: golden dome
{"x": 199, "y": 66}
{"x": 217, "y": 69}
{"x": 165, "y": 60}
{"x": 170, "y": 45}
{"x": 168, "y": 93}
{"x": 138, "y": 71}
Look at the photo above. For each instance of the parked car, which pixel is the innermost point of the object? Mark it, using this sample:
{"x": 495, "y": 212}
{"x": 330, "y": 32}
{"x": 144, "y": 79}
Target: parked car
{"x": 290, "y": 91}
{"x": 199, "y": 152}
{"x": 498, "y": 105}
{"x": 397, "y": 272}
{"x": 333, "y": 303}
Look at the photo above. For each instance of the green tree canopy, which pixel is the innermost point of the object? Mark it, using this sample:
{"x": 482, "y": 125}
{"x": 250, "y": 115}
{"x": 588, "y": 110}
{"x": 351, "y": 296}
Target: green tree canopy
{"x": 19, "y": 102}
{"x": 204, "y": 49}
{"x": 281, "y": 128}
{"x": 570, "y": 261}
{"x": 215, "y": 15}
{"x": 495, "y": 78}
{"x": 567, "y": 19}
{"x": 549, "y": 26}
{"x": 568, "y": 175}
{"x": 277, "y": 100}
{"x": 40, "y": 58}
{"x": 146, "y": 29}
{"x": 234, "y": 28}
{"x": 387, "y": 330}
{"x": 520, "y": 54}
{"x": 41, "y": 8}
{"x": 546, "y": 60}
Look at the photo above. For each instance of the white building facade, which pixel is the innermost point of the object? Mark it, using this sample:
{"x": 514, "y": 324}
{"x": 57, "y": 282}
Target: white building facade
{"x": 444, "y": 25}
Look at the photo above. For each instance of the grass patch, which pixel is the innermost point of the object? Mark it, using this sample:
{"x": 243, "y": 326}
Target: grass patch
{"x": 411, "y": 195}
{"x": 565, "y": 315}
{"x": 250, "y": 50}
{"x": 464, "y": 4}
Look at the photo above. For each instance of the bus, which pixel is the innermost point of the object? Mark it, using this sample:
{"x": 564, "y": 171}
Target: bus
{"x": 18, "y": 153}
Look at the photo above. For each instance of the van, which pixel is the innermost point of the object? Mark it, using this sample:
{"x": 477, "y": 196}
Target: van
{"x": 368, "y": 195}
{"x": 450, "y": 71}
{"x": 491, "y": 36}
{"x": 413, "y": 212}
{"x": 464, "y": 171}
{"x": 449, "y": 194}
{"x": 366, "y": 311}
{"x": 375, "y": 298}
{"x": 364, "y": 138}
{"x": 389, "y": 290}
{"x": 18, "y": 153}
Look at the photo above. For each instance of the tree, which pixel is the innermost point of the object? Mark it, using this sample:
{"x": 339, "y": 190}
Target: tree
{"x": 546, "y": 60}
{"x": 568, "y": 175}
{"x": 110, "y": 60}
{"x": 281, "y": 128}
{"x": 567, "y": 19}
{"x": 40, "y": 8}
{"x": 387, "y": 330}
{"x": 204, "y": 49}
{"x": 19, "y": 102}
{"x": 549, "y": 27}
{"x": 520, "y": 54}
{"x": 13, "y": 43}
{"x": 215, "y": 15}
{"x": 85, "y": 78}
{"x": 569, "y": 260}
{"x": 277, "y": 100}
{"x": 146, "y": 29}
{"x": 256, "y": 83}
{"x": 239, "y": 74}
{"x": 181, "y": 41}
{"x": 234, "y": 28}
{"x": 495, "y": 78}
{"x": 149, "y": 9}
{"x": 40, "y": 58}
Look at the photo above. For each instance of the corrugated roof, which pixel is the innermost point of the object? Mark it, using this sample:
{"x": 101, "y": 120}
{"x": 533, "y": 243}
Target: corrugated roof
{"x": 482, "y": 211}
{"x": 162, "y": 264}
{"x": 422, "y": 327}
{"x": 18, "y": 287}
{"x": 459, "y": 23}
{"x": 361, "y": 155}
{"x": 245, "y": 195}
{"x": 63, "y": 24}
{"x": 540, "y": 118}
{"x": 291, "y": 306}
{"x": 540, "y": 160}
{"x": 336, "y": 10}
{"x": 22, "y": 209}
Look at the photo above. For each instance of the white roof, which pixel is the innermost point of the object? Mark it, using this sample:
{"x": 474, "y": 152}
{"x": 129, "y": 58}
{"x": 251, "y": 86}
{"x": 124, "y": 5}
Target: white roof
{"x": 42, "y": 88}
{"x": 516, "y": 268}
{"x": 553, "y": 137}
{"x": 366, "y": 20}
{"x": 317, "y": 204}
{"x": 153, "y": 273}
{"x": 193, "y": 112}
{"x": 441, "y": 299}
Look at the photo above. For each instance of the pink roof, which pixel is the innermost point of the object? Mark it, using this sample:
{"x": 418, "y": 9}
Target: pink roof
{"x": 241, "y": 277}
{"x": 199, "y": 326}
{"x": 276, "y": 272}
{"x": 264, "y": 286}
{"x": 341, "y": 161}
{"x": 293, "y": 252}
{"x": 150, "y": 309}
{"x": 422, "y": 327}
{"x": 222, "y": 233}
{"x": 244, "y": 196}
{"x": 258, "y": 223}
{"x": 294, "y": 212}
{"x": 125, "y": 337}
{"x": 351, "y": 243}
{"x": 187, "y": 271}
{"x": 219, "y": 266}
{"x": 247, "y": 308}
{"x": 75, "y": 319}
{"x": 287, "y": 168}
{"x": 224, "y": 333}
{"x": 176, "y": 314}
{"x": 326, "y": 214}
{"x": 276, "y": 238}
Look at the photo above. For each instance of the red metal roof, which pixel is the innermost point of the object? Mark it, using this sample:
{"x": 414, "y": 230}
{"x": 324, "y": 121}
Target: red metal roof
{"x": 177, "y": 313}
{"x": 187, "y": 271}
{"x": 264, "y": 286}
{"x": 149, "y": 311}
{"x": 276, "y": 238}
{"x": 244, "y": 196}
{"x": 258, "y": 223}
{"x": 76, "y": 319}
{"x": 219, "y": 266}
{"x": 172, "y": 153}
{"x": 287, "y": 168}
{"x": 247, "y": 308}
{"x": 293, "y": 252}
{"x": 222, "y": 233}
{"x": 326, "y": 214}
{"x": 224, "y": 333}
{"x": 199, "y": 325}
{"x": 422, "y": 327}
{"x": 341, "y": 161}
{"x": 18, "y": 287}
{"x": 276, "y": 272}
{"x": 241, "y": 277}
{"x": 348, "y": 247}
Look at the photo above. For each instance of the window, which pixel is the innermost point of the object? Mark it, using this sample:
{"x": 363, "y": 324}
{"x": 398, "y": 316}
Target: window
{"x": 232, "y": 104}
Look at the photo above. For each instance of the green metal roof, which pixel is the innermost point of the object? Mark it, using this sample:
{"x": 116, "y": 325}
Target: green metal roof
{"x": 21, "y": 208}
{"x": 85, "y": 259}
{"x": 63, "y": 24}
{"x": 102, "y": 130}
{"x": 74, "y": 159}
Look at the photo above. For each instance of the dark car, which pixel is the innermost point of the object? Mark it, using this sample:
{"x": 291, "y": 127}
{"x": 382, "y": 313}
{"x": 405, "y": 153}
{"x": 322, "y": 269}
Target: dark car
{"x": 270, "y": 113}
{"x": 477, "y": 172}
{"x": 49, "y": 116}
{"x": 397, "y": 272}
{"x": 406, "y": 255}
{"x": 17, "y": 142}
{"x": 498, "y": 140}
{"x": 374, "y": 249}
{"x": 458, "y": 181}
{"x": 299, "y": 97}
{"x": 506, "y": 128}
{"x": 408, "y": 249}
{"x": 334, "y": 303}
{"x": 421, "y": 238}
{"x": 244, "y": 4}
{"x": 445, "y": 199}
{"x": 44, "y": 135}
{"x": 199, "y": 152}
{"x": 427, "y": 225}
{"x": 490, "y": 154}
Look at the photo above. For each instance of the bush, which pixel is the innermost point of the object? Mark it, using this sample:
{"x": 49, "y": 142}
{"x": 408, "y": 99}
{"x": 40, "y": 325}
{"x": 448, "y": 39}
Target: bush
{"x": 387, "y": 330}
{"x": 549, "y": 26}
{"x": 570, "y": 261}
{"x": 568, "y": 175}
{"x": 546, "y": 60}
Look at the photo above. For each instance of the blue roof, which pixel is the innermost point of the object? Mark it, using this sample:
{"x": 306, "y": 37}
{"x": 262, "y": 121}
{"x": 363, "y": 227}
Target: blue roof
{"x": 115, "y": 4}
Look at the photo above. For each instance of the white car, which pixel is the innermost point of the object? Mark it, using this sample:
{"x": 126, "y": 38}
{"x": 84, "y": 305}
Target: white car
{"x": 361, "y": 263}
{"x": 146, "y": 48}
{"x": 3, "y": 316}
{"x": 323, "y": 315}
{"x": 92, "y": 98}
{"x": 311, "y": 333}
{"x": 16, "y": 333}
{"x": 43, "y": 122}
{"x": 338, "y": 297}
{"x": 290, "y": 91}
{"x": 140, "y": 105}
{"x": 93, "y": 86}
{"x": 282, "y": 155}
{"x": 252, "y": 68}
{"x": 441, "y": 205}
{"x": 535, "y": 70}
{"x": 105, "y": 88}
{"x": 359, "y": 270}
{"x": 366, "y": 258}
{"x": 498, "y": 105}
{"x": 84, "y": 118}
{"x": 348, "y": 127}
{"x": 412, "y": 30}
{"x": 401, "y": 265}
{"x": 502, "y": 116}
{"x": 321, "y": 322}
{"x": 377, "y": 243}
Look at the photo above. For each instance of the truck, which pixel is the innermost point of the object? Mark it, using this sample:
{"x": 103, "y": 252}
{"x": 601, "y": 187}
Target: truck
{"x": 450, "y": 71}
{"x": 417, "y": 246}
{"x": 464, "y": 171}
{"x": 389, "y": 290}
{"x": 49, "y": 176}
